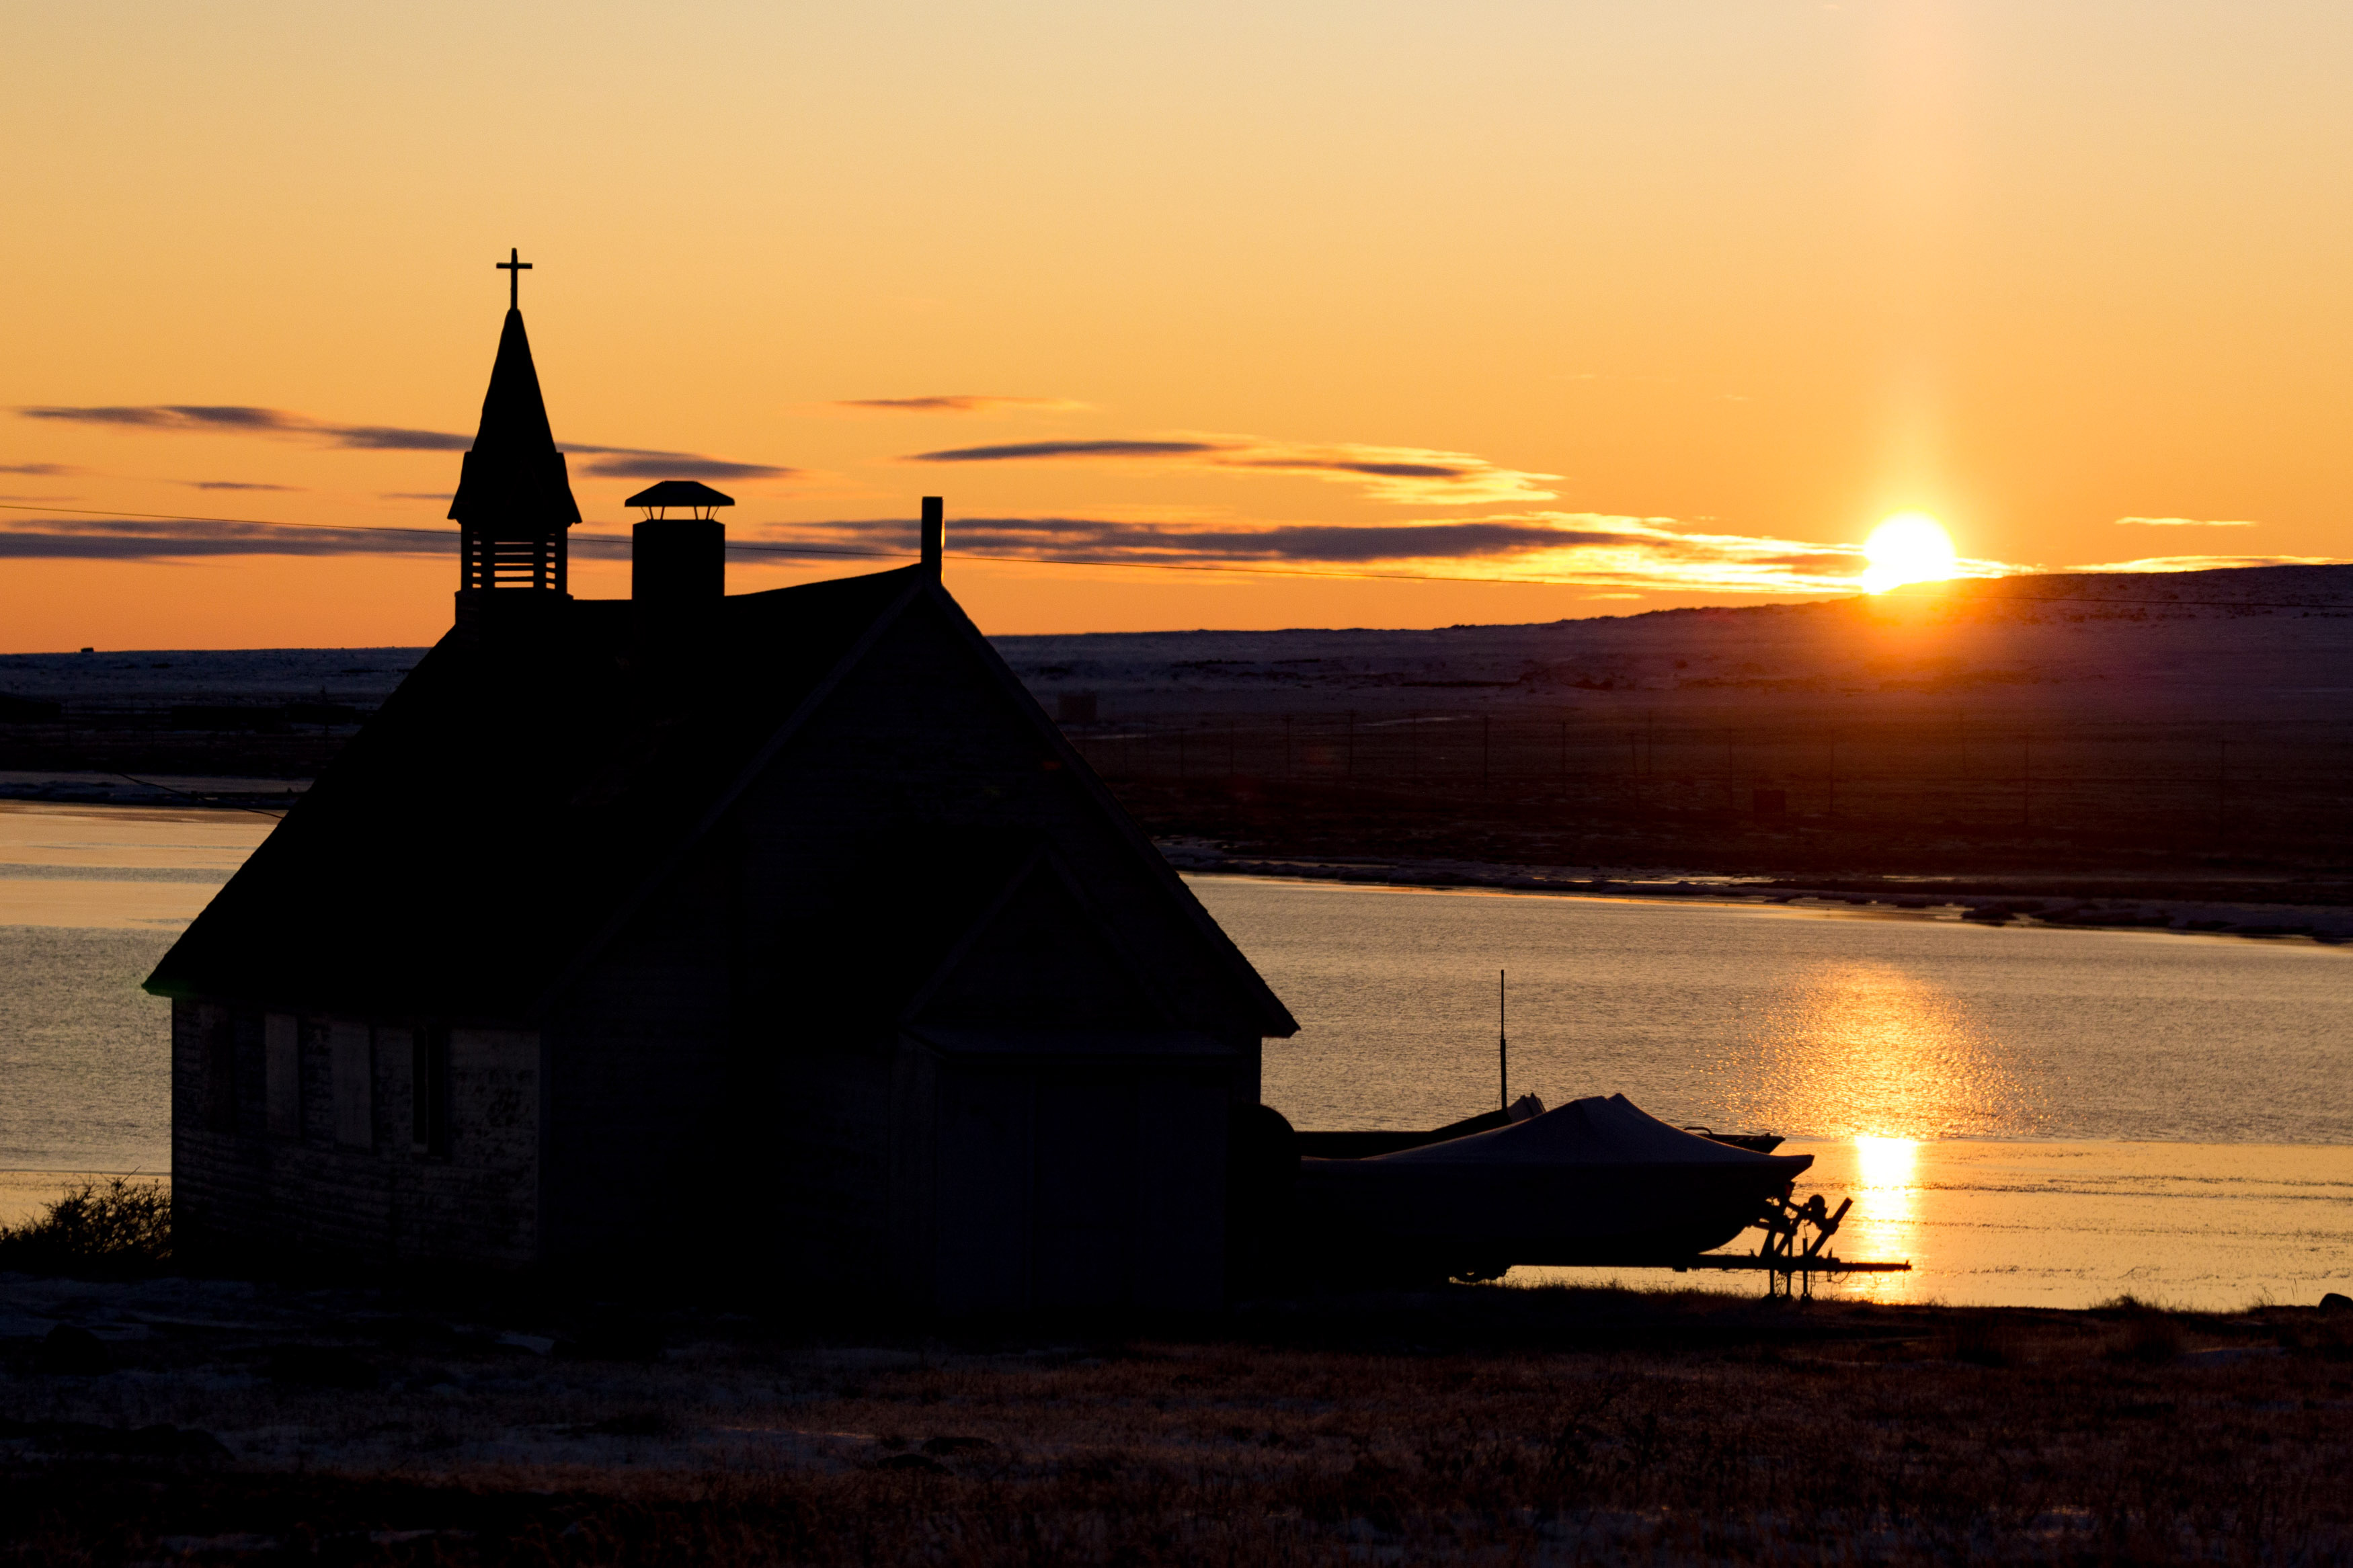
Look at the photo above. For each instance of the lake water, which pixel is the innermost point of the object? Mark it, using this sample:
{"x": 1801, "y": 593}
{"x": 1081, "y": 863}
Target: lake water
{"x": 2032, "y": 1116}
{"x": 90, "y": 898}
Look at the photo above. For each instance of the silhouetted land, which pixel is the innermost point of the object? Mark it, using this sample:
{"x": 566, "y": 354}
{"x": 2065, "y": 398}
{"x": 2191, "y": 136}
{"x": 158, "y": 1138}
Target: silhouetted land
{"x": 2149, "y": 734}
{"x": 215, "y": 1421}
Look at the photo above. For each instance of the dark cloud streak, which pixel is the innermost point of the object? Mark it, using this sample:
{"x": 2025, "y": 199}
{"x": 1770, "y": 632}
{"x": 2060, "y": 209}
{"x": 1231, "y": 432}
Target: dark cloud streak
{"x": 1025, "y": 451}
{"x": 239, "y": 419}
{"x": 615, "y": 462}
{"x": 392, "y": 438}
{"x": 1335, "y": 544}
{"x": 138, "y": 539}
{"x": 681, "y": 466}
{"x": 1373, "y": 471}
{"x": 952, "y": 403}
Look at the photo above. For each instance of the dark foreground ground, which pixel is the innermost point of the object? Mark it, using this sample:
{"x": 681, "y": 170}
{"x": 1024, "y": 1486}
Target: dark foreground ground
{"x": 203, "y": 1421}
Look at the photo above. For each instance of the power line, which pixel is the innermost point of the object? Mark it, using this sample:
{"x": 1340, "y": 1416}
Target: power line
{"x": 746, "y": 546}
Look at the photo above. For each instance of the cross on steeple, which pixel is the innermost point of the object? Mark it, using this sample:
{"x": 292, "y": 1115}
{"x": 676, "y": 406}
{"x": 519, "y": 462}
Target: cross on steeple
{"x": 514, "y": 266}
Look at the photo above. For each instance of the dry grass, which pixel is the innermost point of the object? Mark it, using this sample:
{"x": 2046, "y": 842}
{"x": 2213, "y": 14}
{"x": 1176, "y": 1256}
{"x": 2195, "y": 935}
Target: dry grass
{"x": 1470, "y": 1425}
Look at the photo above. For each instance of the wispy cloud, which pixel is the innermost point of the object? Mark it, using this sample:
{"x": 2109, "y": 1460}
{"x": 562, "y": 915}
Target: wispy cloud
{"x": 233, "y": 485}
{"x": 628, "y": 463}
{"x": 609, "y": 462}
{"x": 1415, "y": 476}
{"x": 2184, "y": 522}
{"x": 198, "y": 538}
{"x": 39, "y": 470}
{"x": 416, "y": 495}
{"x": 952, "y": 403}
{"x": 1310, "y": 543}
{"x": 147, "y": 538}
{"x": 243, "y": 419}
{"x": 1620, "y": 557}
{"x": 1627, "y": 553}
{"x": 2205, "y": 563}
{"x": 1033, "y": 451}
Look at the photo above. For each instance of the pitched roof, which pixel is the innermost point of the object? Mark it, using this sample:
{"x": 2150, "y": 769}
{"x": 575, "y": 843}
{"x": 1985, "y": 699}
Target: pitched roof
{"x": 486, "y": 821}
{"x": 511, "y": 803}
{"x": 513, "y": 478}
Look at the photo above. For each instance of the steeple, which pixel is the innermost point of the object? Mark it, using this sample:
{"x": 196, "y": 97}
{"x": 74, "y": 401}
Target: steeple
{"x": 514, "y": 495}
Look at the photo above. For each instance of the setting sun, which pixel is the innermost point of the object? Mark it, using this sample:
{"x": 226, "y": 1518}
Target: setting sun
{"x": 1910, "y": 547}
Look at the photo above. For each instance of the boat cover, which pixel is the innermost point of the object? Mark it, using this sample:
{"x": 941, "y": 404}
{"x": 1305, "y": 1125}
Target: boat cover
{"x": 1590, "y": 1132}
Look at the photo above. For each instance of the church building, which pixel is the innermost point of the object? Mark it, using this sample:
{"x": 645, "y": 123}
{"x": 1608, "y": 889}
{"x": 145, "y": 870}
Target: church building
{"x": 777, "y": 934}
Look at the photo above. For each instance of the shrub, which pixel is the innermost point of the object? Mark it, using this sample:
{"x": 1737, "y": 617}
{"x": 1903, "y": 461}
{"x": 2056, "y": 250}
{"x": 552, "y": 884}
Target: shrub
{"x": 1986, "y": 1339}
{"x": 2149, "y": 1336}
{"x": 112, "y": 1225}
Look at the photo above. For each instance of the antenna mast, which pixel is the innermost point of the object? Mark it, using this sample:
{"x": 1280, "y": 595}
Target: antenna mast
{"x": 1502, "y": 1049}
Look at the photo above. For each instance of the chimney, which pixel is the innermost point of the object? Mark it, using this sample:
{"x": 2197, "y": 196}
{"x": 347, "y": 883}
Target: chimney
{"x": 934, "y": 534}
{"x": 679, "y": 562}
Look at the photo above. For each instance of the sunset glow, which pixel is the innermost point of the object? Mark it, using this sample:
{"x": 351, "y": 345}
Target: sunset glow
{"x": 1909, "y": 547}
{"x": 1417, "y": 315}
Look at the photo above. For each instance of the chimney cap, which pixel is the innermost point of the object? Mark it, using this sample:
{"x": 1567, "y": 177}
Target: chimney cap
{"x": 680, "y": 492}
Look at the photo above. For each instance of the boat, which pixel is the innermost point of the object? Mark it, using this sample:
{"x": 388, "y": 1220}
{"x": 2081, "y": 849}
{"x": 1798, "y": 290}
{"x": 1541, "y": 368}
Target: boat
{"x": 1594, "y": 1182}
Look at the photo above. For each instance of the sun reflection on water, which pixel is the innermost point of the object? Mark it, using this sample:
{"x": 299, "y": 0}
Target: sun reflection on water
{"x": 1868, "y": 1051}
{"x": 1885, "y": 1220}
{"x": 1886, "y": 1162}
{"x": 1878, "y": 1059}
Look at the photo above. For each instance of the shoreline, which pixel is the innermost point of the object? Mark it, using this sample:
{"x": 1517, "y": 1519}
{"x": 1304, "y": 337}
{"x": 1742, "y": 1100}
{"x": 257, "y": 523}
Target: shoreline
{"x": 2218, "y": 906}
{"x": 2073, "y": 903}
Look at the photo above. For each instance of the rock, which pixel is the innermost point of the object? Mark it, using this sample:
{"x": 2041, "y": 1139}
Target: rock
{"x": 636, "y": 1424}
{"x": 74, "y": 1351}
{"x": 614, "y": 1338}
{"x": 169, "y": 1442}
{"x": 958, "y": 1445}
{"x": 2336, "y": 1302}
{"x": 158, "y": 1442}
{"x": 321, "y": 1366}
{"x": 918, "y": 1463}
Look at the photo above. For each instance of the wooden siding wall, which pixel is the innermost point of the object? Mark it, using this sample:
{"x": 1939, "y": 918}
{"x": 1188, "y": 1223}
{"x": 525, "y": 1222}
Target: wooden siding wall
{"x": 703, "y": 1071}
{"x": 646, "y": 1103}
{"x": 320, "y": 1157}
{"x": 1060, "y": 1184}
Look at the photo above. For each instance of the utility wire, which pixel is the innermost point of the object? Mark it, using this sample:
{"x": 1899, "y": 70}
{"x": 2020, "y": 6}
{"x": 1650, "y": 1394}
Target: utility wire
{"x": 746, "y": 546}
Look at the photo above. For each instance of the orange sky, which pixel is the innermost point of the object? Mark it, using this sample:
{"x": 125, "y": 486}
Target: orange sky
{"x": 1667, "y": 302}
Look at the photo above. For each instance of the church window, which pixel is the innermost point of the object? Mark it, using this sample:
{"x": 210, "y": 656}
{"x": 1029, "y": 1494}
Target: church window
{"x": 429, "y": 1088}
{"x": 281, "y": 1073}
{"x": 351, "y": 1057}
{"x": 219, "y": 1043}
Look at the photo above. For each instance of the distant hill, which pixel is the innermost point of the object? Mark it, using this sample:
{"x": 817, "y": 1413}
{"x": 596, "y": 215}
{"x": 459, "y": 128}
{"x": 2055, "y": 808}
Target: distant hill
{"x": 2176, "y": 643}
{"x": 2139, "y": 724}
{"x": 2203, "y": 632}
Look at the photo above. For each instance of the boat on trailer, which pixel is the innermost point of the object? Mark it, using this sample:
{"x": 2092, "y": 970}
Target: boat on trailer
{"x": 1594, "y": 1182}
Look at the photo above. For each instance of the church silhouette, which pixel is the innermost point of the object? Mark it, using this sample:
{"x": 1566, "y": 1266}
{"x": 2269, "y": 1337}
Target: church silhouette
{"x": 775, "y": 933}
